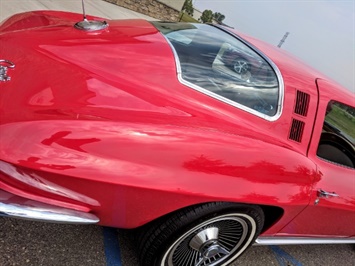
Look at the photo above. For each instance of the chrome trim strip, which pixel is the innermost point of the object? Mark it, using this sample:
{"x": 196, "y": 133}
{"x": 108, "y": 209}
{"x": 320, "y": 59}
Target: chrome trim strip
{"x": 262, "y": 241}
{"x": 226, "y": 100}
{"x": 17, "y": 207}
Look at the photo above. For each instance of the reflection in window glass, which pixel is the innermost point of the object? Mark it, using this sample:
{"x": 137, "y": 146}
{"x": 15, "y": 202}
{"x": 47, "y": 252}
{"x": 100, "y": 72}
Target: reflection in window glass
{"x": 337, "y": 143}
{"x": 218, "y": 62}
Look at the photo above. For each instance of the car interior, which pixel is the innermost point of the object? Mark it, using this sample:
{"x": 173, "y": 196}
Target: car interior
{"x": 336, "y": 144}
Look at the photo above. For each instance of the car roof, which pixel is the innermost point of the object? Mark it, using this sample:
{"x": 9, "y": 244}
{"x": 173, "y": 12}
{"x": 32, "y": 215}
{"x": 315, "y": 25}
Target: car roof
{"x": 121, "y": 31}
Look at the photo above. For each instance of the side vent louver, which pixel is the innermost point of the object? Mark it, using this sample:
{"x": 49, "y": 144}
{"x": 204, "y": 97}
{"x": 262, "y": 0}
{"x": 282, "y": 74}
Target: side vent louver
{"x": 296, "y": 131}
{"x": 302, "y": 102}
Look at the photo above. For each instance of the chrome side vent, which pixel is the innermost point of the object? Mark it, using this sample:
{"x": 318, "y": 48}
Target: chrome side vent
{"x": 296, "y": 131}
{"x": 302, "y": 103}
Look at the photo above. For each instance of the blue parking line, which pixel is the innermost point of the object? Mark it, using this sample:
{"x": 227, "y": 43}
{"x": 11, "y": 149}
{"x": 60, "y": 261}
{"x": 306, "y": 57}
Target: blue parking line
{"x": 112, "y": 247}
{"x": 283, "y": 258}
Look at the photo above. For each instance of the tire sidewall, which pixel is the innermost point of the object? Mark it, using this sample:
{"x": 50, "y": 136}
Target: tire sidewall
{"x": 245, "y": 212}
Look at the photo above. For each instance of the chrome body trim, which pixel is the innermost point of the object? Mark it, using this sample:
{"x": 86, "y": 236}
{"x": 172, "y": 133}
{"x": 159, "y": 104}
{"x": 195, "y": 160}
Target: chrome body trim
{"x": 325, "y": 194}
{"x": 4, "y": 66}
{"x": 226, "y": 100}
{"x": 262, "y": 241}
{"x": 18, "y": 207}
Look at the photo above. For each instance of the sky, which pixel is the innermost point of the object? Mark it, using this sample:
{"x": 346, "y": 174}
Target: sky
{"x": 322, "y": 32}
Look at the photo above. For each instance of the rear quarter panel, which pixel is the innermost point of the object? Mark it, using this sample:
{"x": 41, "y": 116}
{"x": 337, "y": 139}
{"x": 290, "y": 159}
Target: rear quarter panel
{"x": 137, "y": 173}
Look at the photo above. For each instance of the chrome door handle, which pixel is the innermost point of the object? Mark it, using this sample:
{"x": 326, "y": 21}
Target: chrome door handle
{"x": 324, "y": 194}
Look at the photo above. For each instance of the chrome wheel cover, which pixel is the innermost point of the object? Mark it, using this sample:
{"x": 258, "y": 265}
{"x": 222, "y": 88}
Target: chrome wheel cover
{"x": 217, "y": 241}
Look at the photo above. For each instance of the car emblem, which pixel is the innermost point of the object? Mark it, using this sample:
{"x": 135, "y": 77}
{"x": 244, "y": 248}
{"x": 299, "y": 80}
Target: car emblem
{"x": 4, "y": 66}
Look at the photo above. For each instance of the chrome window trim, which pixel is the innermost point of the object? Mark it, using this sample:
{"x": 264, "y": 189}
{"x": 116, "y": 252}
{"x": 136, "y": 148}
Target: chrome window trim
{"x": 226, "y": 100}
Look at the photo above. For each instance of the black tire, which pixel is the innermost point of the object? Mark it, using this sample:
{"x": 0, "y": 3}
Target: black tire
{"x": 212, "y": 234}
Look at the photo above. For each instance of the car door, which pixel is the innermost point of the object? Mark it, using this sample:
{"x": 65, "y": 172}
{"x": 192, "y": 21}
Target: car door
{"x": 331, "y": 211}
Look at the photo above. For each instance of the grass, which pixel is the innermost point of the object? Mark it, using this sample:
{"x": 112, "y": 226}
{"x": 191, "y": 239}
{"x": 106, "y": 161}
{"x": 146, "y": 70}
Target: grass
{"x": 342, "y": 120}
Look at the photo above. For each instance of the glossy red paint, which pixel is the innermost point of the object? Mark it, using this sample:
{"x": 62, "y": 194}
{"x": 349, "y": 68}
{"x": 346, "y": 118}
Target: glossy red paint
{"x": 331, "y": 216}
{"x": 99, "y": 122}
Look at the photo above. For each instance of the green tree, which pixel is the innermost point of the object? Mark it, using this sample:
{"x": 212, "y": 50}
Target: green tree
{"x": 218, "y": 17}
{"x": 207, "y": 16}
{"x": 188, "y": 7}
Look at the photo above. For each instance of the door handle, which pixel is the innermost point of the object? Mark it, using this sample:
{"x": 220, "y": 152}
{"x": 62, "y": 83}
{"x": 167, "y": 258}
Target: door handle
{"x": 324, "y": 194}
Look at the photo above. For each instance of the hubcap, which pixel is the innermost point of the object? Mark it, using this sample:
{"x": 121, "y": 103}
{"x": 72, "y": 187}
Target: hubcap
{"x": 206, "y": 243}
{"x": 203, "y": 237}
{"x": 217, "y": 241}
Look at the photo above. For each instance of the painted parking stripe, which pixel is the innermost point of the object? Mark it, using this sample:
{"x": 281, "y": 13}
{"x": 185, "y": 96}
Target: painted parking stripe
{"x": 283, "y": 258}
{"x": 112, "y": 247}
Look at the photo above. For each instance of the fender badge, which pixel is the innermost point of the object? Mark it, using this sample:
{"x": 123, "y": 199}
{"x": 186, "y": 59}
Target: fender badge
{"x": 4, "y": 66}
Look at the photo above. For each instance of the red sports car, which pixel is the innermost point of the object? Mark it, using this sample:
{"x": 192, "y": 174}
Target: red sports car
{"x": 206, "y": 139}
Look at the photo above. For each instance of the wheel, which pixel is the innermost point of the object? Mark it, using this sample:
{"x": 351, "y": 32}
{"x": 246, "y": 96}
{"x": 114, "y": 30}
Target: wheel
{"x": 209, "y": 234}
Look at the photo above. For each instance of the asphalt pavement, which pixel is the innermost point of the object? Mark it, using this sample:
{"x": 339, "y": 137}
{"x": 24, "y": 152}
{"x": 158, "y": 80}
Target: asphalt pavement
{"x": 36, "y": 243}
{"x": 43, "y": 244}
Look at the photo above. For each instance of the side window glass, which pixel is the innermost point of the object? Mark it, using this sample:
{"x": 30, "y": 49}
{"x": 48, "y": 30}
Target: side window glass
{"x": 222, "y": 66}
{"x": 337, "y": 142}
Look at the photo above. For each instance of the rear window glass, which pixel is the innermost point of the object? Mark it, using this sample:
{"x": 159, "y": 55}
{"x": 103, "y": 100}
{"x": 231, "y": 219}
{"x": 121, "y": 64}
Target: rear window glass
{"x": 222, "y": 66}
